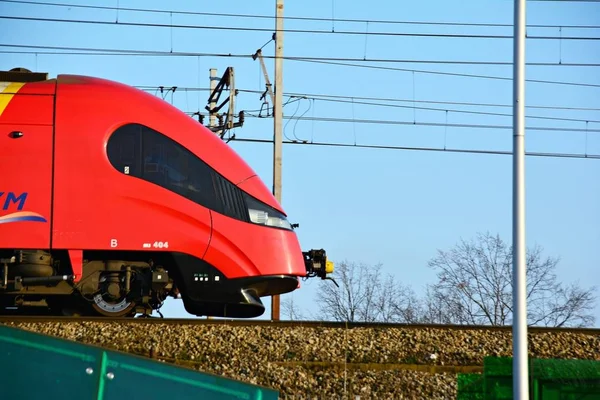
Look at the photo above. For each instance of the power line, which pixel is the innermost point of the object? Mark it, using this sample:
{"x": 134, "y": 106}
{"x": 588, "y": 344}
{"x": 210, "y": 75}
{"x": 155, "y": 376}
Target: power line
{"x": 318, "y": 19}
{"x": 436, "y": 149}
{"x": 317, "y": 96}
{"x": 358, "y": 101}
{"x": 288, "y": 30}
{"x": 116, "y": 52}
{"x": 438, "y": 124}
{"x": 449, "y": 73}
{"x": 348, "y": 59}
{"x": 352, "y": 101}
{"x": 455, "y": 62}
{"x": 93, "y": 50}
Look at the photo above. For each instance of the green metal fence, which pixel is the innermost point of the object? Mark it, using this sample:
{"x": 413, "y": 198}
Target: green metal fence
{"x": 35, "y": 366}
{"x": 549, "y": 379}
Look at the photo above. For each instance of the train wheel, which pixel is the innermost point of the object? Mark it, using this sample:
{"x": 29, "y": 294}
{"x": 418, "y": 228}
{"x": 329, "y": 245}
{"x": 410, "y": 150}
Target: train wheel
{"x": 110, "y": 307}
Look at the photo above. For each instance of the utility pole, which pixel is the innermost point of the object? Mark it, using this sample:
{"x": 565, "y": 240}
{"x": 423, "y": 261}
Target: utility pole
{"x": 519, "y": 330}
{"x": 212, "y": 118}
{"x": 277, "y": 124}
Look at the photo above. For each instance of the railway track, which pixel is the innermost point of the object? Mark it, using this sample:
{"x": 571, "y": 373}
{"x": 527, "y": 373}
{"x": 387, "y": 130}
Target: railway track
{"x": 288, "y": 324}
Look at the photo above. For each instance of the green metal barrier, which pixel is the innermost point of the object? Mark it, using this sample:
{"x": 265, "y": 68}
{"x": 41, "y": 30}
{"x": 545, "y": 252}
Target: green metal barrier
{"x": 549, "y": 379}
{"x": 36, "y": 366}
{"x": 470, "y": 387}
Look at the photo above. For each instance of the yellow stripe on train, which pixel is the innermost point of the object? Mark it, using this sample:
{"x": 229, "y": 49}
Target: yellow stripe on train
{"x": 8, "y": 90}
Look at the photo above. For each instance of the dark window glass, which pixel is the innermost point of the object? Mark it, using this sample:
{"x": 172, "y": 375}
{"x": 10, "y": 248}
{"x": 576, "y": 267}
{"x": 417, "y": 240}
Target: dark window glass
{"x": 142, "y": 152}
{"x": 124, "y": 150}
{"x": 175, "y": 168}
{"x": 231, "y": 199}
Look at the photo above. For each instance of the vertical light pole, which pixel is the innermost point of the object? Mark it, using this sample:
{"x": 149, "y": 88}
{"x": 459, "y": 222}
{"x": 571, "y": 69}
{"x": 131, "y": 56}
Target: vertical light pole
{"x": 519, "y": 330}
{"x": 277, "y": 124}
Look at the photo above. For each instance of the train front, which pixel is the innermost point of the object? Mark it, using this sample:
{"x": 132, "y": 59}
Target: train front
{"x": 252, "y": 254}
{"x": 229, "y": 240}
{"x": 253, "y": 250}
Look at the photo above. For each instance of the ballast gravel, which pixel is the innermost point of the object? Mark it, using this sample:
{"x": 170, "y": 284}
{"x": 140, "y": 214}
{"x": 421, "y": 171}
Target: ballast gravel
{"x": 319, "y": 362}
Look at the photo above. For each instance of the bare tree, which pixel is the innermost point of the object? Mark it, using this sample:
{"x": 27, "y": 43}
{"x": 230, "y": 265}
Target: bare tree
{"x": 291, "y": 309}
{"x": 365, "y": 295}
{"x": 439, "y": 308}
{"x": 475, "y": 287}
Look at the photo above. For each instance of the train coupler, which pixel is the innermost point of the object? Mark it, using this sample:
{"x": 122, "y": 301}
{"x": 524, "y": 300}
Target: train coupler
{"x": 317, "y": 264}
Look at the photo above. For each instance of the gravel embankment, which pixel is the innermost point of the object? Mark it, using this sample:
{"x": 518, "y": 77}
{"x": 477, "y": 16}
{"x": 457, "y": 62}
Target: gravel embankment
{"x": 303, "y": 362}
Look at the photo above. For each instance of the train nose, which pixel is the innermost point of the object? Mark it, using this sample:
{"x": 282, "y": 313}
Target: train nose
{"x": 209, "y": 292}
{"x": 236, "y": 298}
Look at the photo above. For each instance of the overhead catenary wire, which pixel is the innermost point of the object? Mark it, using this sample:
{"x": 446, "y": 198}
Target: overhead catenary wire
{"x": 317, "y": 58}
{"x": 319, "y": 96}
{"x": 414, "y": 148}
{"x": 350, "y": 100}
{"x": 290, "y": 30}
{"x": 294, "y": 97}
{"x": 119, "y": 52}
{"x": 458, "y": 74}
{"x": 299, "y": 18}
{"x": 290, "y": 58}
{"x": 438, "y": 124}
{"x": 249, "y": 114}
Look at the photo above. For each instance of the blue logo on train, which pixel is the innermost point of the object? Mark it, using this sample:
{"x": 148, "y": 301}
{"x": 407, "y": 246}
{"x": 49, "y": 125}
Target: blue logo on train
{"x": 9, "y": 200}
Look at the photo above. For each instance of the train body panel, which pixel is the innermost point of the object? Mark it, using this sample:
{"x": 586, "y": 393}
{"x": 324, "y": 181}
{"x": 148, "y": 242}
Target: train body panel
{"x": 26, "y": 133}
{"x": 242, "y": 249}
{"x": 109, "y": 209}
{"x": 114, "y": 199}
{"x": 27, "y": 103}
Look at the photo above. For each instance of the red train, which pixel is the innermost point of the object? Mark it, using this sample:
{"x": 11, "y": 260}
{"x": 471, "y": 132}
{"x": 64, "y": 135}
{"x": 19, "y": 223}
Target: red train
{"x": 111, "y": 200}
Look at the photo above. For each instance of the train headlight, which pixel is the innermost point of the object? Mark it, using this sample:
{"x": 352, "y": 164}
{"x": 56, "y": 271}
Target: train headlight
{"x": 263, "y": 214}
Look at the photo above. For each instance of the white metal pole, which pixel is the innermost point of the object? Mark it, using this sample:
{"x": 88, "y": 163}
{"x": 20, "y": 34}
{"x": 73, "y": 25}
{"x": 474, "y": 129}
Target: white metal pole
{"x": 278, "y": 106}
{"x": 520, "y": 364}
{"x": 277, "y": 125}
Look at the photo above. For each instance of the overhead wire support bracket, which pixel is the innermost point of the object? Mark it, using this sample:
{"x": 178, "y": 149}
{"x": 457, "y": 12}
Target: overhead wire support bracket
{"x": 268, "y": 85}
{"x": 226, "y": 82}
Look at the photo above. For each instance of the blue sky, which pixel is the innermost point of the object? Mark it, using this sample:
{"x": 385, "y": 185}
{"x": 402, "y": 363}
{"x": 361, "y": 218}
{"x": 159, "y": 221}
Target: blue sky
{"x": 371, "y": 205}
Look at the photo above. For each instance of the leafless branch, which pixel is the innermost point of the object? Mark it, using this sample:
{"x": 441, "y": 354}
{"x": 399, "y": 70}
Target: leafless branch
{"x": 475, "y": 287}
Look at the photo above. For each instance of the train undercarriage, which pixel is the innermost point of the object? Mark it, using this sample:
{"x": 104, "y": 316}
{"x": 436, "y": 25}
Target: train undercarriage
{"x": 38, "y": 282}
{"x": 126, "y": 284}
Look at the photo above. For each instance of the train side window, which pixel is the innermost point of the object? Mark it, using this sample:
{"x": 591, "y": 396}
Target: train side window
{"x": 139, "y": 151}
{"x": 175, "y": 168}
{"x": 123, "y": 150}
